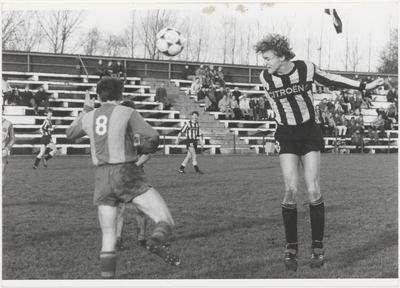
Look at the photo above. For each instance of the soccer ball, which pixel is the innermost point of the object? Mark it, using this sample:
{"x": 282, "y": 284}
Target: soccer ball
{"x": 170, "y": 41}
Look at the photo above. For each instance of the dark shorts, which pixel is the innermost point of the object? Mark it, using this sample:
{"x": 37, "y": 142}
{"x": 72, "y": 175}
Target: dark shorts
{"x": 118, "y": 183}
{"x": 46, "y": 139}
{"x": 300, "y": 139}
{"x": 191, "y": 143}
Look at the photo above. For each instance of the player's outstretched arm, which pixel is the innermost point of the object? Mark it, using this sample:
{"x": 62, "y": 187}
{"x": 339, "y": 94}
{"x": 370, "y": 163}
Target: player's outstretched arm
{"x": 177, "y": 138}
{"x": 75, "y": 130}
{"x": 374, "y": 84}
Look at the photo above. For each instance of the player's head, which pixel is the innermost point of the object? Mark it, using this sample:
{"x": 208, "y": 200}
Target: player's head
{"x": 110, "y": 89}
{"x": 274, "y": 49}
{"x": 49, "y": 112}
{"x": 195, "y": 115}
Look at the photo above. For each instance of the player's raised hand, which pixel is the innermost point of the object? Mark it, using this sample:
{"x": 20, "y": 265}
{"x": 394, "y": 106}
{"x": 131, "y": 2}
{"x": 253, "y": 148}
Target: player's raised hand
{"x": 88, "y": 101}
{"x": 375, "y": 84}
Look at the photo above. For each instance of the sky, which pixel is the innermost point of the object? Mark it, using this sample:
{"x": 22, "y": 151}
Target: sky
{"x": 369, "y": 21}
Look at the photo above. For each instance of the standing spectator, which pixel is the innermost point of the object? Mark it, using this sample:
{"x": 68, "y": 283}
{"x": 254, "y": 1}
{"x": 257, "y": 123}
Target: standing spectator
{"x": 27, "y": 97}
{"x": 224, "y": 105}
{"x": 187, "y": 73}
{"x": 119, "y": 70}
{"x": 192, "y": 131}
{"x": 298, "y": 137}
{"x": 326, "y": 129}
{"x": 195, "y": 87}
{"x": 40, "y": 99}
{"x": 213, "y": 73}
{"x": 16, "y": 97}
{"x": 207, "y": 79}
{"x": 8, "y": 137}
{"x": 47, "y": 131}
{"x": 357, "y": 137}
{"x": 101, "y": 69}
{"x": 331, "y": 105}
{"x": 392, "y": 115}
{"x": 318, "y": 114}
{"x": 161, "y": 97}
{"x": 219, "y": 93}
{"x": 261, "y": 108}
{"x": 350, "y": 125}
{"x": 236, "y": 93}
{"x": 323, "y": 104}
{"x": 213, "y": 99}
{"x": 244, "y": 105}
{"x": 220, "y": 77}
{"x": 256, "y": 108}
{"x": 8, "y": 98}
{"x": 360, "y": 121}
{"x": 201, "y": 74}
{"x": 118, "y": 178}
{"x": 202, "y": 94}
{"x": 110, "y": 68}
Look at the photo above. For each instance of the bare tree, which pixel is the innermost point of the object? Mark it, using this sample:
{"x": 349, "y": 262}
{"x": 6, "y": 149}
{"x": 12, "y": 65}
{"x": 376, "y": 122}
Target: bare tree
{"x": 11, "y": 21}
{"x": 131, "y": 39}
{"x": 58, "y": 26}
{"x": 113, "y": 45}
{"x": 92, "y": 42}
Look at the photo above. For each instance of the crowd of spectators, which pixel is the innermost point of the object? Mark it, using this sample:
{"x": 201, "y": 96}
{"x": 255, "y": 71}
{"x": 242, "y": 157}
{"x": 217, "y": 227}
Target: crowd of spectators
{"x": 341, "y": 115}
{"x": 111, "y": 69}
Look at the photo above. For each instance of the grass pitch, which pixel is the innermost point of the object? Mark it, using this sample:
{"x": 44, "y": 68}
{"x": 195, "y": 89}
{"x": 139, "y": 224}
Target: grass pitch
{"x": 228, "y": 221}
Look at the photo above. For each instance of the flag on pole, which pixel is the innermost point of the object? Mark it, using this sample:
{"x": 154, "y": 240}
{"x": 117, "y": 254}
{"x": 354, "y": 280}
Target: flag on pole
{"x": 335, "y": 19}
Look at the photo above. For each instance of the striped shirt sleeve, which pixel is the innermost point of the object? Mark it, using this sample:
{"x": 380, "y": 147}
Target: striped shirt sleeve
{"x": 327, "y": 79}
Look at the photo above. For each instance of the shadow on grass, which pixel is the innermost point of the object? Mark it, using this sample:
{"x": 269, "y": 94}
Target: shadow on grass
{"x": 374, "y": 246}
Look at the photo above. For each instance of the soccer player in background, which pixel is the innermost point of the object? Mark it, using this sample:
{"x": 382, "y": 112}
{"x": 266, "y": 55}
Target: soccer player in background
{"x": 111, "y": 129}
{"x": 298, "y": 138}
{"x": 8, "y": 142}
{"x": 47, "y": 130}
{"x": 192, "y": 131}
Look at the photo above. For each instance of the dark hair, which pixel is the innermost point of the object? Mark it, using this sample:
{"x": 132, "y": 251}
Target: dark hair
{"x": 110, "y": 89}
{"x": 195, "y": 112}
{"x": 276, "y": 43}
{"x": 50, "y": 110}
{"x": 128, "y": 103}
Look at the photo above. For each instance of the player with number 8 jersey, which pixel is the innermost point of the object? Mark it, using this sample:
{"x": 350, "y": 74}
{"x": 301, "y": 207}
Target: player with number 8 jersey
{"x": 112, "y": 130}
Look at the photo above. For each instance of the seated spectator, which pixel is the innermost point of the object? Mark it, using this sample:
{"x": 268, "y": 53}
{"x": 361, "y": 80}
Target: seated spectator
{"x": 224, "y": 106}
{"x": 195, "y": 87}
{"x": 187, "y": 73}
{"x": 162, "y": 97}
{"x": 201, "y": 95}
{"x": 392, "y": 96}
{"x": 236, "y": 93}
{"x": 100, "y": 69}
{"x": 208, "y": 105}
{"x": 8, "y": 97}
{"x": 269, "y": 113}
{"x": 357, "y": 137}
{"x": 331, "y": 123}
{"x": 320, "y": 88}
{"x": 356, "y": 101}
{"x": 360, "y": 121}
{"x": 119, "y": 70}
{"x": 26, "y": 97}
{"x": 324, "y": 125}
{"x": 317, "y": 114}
{"x": 340, "y": 123}
{"x": 392, "y": 114}
{"x": 350, "y": 125}
{"x": 235, "y": 108}
{"x": 110, "y": 69}
{"x": 244, "y": 105}
{"x": 356, "y": 78}
{"x": 389, "y": 121}
{"x": 367, "y": 98}
{"x": 201, "y": 74}
{"x": 376, "y": 128}
{"x": 219, "y": 93}
{"x": 331, "y": 105}
{"x": 40, "y": 99}
{"x": 323, "y": 104}
{"x": 220, "y": 77}
{"x": 15, "y": 96}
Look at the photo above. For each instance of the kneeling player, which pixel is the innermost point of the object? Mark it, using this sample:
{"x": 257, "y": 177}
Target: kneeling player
{"x": 117, "y": 178}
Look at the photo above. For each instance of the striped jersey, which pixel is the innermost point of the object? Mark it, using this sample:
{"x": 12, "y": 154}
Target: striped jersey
{"x": 7, "y": 134}
{"x": 112, "y": 129}
{"x": 291, "y": 95}
{"x": 47, "y": 127}
{"x": 191, "y": 129}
